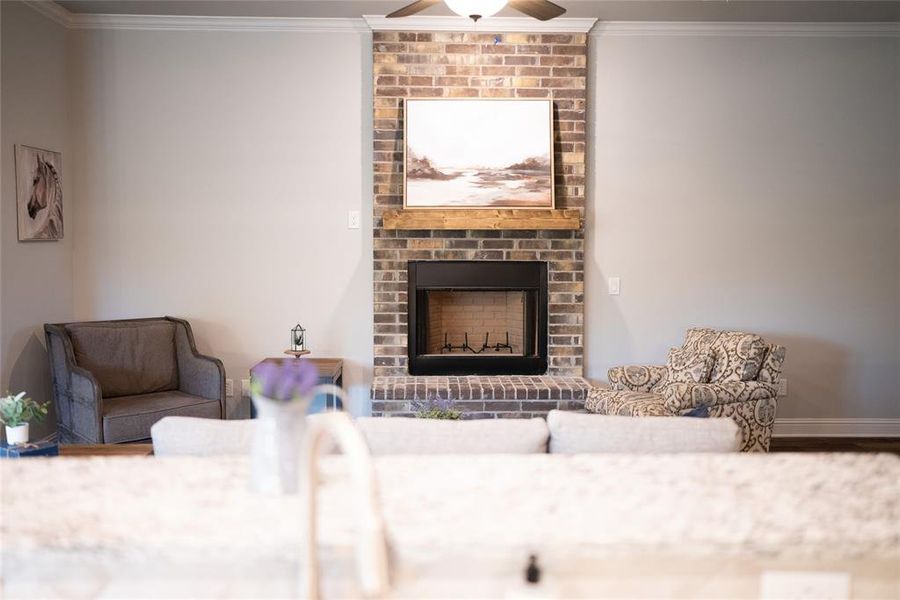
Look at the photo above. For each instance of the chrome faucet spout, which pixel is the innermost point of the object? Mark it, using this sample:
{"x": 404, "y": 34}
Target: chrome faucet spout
{"x": 371, "y": 548}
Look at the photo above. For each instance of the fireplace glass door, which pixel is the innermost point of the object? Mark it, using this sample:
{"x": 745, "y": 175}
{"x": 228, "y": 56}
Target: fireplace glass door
{"x": 477, "y": 317}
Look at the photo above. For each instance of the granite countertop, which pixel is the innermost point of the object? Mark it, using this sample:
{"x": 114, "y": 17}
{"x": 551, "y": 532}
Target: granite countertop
{"x": 197, "y": 513}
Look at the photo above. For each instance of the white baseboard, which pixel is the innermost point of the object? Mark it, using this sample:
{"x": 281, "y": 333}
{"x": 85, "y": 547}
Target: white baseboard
{"x": 837, "y": 428}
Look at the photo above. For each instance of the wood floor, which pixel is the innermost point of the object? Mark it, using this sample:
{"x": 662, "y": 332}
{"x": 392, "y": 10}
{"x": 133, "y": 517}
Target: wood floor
{"x": 891, "y": 445}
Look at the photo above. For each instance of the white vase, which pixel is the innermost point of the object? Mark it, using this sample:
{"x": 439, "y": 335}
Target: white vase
{"x": 17, "y": 434}
{"x": 277, "y": 444}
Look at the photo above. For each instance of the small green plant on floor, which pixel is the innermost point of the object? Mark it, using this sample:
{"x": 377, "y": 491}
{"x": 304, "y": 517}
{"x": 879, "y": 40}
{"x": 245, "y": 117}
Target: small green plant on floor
{"x": 18, "y": 410}
{"x": 435, "y": 408}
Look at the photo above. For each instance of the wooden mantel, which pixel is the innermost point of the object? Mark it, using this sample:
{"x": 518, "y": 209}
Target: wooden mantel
{"x": 483, "y": 218}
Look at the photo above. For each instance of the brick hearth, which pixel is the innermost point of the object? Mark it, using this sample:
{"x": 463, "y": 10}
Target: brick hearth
{"x": 481, "y": 396}
{"x": 473, "y": 65}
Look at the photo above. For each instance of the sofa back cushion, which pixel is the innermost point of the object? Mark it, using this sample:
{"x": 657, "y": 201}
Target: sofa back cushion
{"x": 402, "y": 435}
{"x": 738, "y": 355}
{"x": 193, "y": 436}
{"x": 127, "y": 358}
{"x": 583, "y": 433}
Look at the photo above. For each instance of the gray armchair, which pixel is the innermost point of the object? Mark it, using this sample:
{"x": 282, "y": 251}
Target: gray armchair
{"x": 112, "y": 380}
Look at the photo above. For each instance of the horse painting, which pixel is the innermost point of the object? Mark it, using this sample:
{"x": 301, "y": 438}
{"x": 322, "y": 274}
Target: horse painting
{"x": 39, "y": 194}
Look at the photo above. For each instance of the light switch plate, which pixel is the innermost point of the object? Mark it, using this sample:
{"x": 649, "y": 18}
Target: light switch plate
{"x": 229, "y": 387}
{"x": 804, "y": 585}
{"x": 615, "y": 286}
{"x": 353, "y": 218}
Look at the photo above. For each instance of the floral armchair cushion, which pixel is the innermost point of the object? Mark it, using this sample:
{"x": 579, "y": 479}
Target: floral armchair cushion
{"x": 638, "y": 378}
{"x": 738, "y": 355}
{"x": 689, "y": 366}
{"x": 681, "y": 397}
{"x": 770, "y": 372}
{"x": 625, "y": 403}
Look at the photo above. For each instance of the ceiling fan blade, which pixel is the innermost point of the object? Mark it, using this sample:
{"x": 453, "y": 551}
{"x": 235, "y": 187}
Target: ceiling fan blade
{"x": 411, "y": 9}
{"x": 543, "y": 10}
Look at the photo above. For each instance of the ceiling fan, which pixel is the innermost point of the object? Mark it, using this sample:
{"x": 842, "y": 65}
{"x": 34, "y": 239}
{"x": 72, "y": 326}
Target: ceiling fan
{"x": 543, "y": 10}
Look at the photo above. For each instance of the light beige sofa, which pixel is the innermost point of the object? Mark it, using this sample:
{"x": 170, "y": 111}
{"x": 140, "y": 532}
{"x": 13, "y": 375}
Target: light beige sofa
{"x": 562, "y": 433}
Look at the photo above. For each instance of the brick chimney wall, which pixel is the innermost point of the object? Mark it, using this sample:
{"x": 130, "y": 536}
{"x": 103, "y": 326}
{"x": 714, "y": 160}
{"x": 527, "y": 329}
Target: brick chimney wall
{"x": 479, "y": 65}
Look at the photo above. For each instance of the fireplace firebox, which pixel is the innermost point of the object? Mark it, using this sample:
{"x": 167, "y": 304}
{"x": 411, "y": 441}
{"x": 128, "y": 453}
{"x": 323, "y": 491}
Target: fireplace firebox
{"x": 477, "y": 317}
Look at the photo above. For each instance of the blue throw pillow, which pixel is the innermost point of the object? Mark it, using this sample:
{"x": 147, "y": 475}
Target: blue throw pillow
{"x": 700, "y": 411}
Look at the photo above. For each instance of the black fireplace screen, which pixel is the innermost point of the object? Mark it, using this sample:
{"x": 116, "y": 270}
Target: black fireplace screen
{"x": 477, "y": 317}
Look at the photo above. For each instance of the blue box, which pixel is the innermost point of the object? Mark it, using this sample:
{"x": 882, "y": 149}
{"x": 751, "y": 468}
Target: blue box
{"x": 45, "y": 447}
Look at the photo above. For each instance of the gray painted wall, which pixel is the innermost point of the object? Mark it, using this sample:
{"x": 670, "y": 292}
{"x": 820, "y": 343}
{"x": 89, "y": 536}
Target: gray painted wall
{"x": 215, "y": 175}
{"x": 742, "y": 181}
{"x": 751, "y": 182}
{"x": 36, "y": 277}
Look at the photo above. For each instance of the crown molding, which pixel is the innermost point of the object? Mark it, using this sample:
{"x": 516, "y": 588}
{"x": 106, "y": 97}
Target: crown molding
{"x": 60, "y": 15}
{"x": 836, "y": 428}
{"x": 189, "y": 23}
{"x": 737, "y": 29}
{"x": 486, "y": 25}
{"x": 52, "y": 11}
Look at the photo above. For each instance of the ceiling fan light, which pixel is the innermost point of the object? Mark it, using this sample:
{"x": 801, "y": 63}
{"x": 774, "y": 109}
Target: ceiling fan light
{"x": 475, "y": 8}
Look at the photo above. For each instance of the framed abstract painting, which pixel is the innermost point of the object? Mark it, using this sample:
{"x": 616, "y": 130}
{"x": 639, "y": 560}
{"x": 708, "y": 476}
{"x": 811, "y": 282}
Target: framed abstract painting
{"x": 478, "y": 153}
{"x": 39, "y": 195}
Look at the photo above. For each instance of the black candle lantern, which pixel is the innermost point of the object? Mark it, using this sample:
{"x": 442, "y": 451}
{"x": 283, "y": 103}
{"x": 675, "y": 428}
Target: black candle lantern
{"x": 298, "y": 339}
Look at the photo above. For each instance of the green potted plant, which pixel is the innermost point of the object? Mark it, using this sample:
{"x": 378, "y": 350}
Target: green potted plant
{"x": 436, "y": 408}
{"x": 16, "y": 412}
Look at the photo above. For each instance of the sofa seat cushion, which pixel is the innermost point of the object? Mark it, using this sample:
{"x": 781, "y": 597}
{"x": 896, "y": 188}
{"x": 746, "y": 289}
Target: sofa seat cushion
{"x": 129, "y": 418}
{"x": 127, "y": 358}
{"x": 625, "y": 403}
{"x": 582, "y": 433}
{"x": 738, "y": 355}
{"x": 402, "y": 435}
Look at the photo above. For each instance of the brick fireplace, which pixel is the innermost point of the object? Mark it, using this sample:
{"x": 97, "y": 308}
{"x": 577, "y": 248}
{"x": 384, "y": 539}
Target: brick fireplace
{"x": 454, "y": 305}
{"x": 464, "y": 65}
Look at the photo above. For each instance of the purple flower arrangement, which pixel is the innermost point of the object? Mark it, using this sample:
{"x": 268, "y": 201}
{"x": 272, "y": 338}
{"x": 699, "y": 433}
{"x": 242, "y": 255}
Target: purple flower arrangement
{"x": 434, "y": 407}
{"x": 284, "y": 380}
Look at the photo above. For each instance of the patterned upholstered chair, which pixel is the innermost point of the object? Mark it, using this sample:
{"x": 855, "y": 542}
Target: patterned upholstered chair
{"x": 714, "y": 374}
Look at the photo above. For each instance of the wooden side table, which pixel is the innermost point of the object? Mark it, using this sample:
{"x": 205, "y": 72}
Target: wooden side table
{"x": 331, "y": 370}
{"x": 128, "y": 449}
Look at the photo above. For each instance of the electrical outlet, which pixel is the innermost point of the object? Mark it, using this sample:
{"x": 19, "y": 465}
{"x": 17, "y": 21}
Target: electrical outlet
{"x": 245, "y": 388}
{"x": 229, "y": 387}
{"x": 804, "y": 585}
{"x": 353, "y": 218}
{"x": 615, "y": 286}
{"x": 782, "y": 386}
